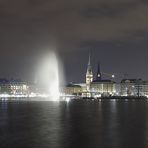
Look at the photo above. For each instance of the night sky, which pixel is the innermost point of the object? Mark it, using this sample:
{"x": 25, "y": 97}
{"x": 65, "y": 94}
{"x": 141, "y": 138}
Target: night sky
{"x": 116, "y": 32}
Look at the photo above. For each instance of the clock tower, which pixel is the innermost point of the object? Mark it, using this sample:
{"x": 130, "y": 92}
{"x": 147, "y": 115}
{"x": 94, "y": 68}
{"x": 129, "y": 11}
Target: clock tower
{"x": 89, "y": 74}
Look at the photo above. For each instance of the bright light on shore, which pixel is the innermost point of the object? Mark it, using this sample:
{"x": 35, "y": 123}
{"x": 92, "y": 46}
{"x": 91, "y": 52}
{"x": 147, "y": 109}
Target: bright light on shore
{"x": 67, "y": 99}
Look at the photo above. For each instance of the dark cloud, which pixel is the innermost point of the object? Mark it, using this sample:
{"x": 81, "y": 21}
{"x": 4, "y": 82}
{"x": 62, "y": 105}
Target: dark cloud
{"x": 108, "y": 9}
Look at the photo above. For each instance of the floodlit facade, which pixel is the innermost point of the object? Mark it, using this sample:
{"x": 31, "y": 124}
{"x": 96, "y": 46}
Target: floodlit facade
{"x": 102, "y": 88}
{"x": 134, "y": 87}
{"x": 13, "y": 87}
{"x": 131, "y": 87}
{"x": 145, "y": 88}
{"x": 73, "y": 89}
{"x": 99, "y": 87}
{"x": 92, "y": 87}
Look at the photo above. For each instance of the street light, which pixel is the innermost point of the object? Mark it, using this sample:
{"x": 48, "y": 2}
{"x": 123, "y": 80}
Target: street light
{"x": 113, "y": 76}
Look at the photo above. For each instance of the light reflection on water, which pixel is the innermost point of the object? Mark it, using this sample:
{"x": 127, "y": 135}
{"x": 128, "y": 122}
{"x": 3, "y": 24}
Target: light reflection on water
{"x": 74, "y": 124}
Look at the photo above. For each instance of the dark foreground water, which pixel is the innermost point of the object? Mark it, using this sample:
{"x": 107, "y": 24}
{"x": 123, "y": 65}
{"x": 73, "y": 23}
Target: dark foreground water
{"x": 77, "y": 124}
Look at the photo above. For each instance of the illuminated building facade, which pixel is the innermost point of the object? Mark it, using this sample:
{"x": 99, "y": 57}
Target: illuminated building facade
{"x": 13, "y": 87}
{"x": 19, "y": 87}
{"x": 103, "y": 88}
{"x": 92, "y": 88}
{"x": 145, "y": 88}
{"x": 100, "y": 87}
{"x": 73, "y": 89}
{"x": 134, "y": 87}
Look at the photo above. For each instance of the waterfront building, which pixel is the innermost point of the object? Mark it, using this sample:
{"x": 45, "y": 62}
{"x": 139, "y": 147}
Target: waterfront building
{"x": 19, "y": 87}
{"x": 102, "y": 88}
{"x": 105, "y": 87}
{"x": 132, "y": 87}
{"x": 73, "y": 89}
{"x": 13, "y": 87}
{"x": 117, "y": 89}
{"x": 92, "y": 88}
{"x": 5, "y": 87}
{"x": 145, "y": 88}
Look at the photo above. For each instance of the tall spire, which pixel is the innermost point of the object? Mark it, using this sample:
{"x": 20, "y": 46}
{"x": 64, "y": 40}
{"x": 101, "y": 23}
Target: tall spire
{"x": 89, "y": 74}
{"x": 99, "y": 75}
{"x": 89, "y": 69}
{"x": 89, "y": 59}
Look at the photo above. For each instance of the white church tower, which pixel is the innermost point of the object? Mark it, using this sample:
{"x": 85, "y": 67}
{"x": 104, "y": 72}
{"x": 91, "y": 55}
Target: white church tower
{"x": 89, "y": 75}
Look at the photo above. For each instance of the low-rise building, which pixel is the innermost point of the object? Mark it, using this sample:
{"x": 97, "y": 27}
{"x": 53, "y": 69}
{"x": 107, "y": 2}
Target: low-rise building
{"x": 132, "y": 87}
{"x": 13, "y": 87}
{"x": 102, "y": 88}
{"x": 73, "y": 89}
{"x": 145, "y": 88}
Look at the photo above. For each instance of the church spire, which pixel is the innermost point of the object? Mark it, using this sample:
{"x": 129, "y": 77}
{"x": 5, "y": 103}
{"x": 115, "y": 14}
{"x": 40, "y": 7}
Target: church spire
{"x": 89, "y": 68}
{"x": 89, "y": 74}
{"x": 99, "y": 75}
{"x": 89, "y": 60}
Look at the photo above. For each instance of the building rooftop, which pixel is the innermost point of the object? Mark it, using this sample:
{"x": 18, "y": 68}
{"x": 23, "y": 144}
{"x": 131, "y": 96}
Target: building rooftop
{"x": 73, "y": 85}
{"x": 100, "y": 81}
{"x": 11, "y": 81}
{"x": 130, "y": 80}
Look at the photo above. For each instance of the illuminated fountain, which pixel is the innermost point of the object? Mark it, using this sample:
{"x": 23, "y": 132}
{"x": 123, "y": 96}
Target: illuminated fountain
{"x": 48, "y": 77}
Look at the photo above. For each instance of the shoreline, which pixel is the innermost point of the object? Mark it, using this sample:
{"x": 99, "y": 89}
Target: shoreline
{"x": 116, "y": 97}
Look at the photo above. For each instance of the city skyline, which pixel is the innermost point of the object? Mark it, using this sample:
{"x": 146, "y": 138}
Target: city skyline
{"x": 73, "y": 73}
{"x": 81, "y": 76}
{"x": 96, "y": 68}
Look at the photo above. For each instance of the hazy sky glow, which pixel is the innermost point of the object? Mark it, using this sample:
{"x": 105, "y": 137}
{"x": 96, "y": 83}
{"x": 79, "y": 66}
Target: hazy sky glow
{"x": 115, "y": 30}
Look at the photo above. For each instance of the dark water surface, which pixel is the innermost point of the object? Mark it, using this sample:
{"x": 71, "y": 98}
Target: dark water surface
{"x": 77, "y": 124}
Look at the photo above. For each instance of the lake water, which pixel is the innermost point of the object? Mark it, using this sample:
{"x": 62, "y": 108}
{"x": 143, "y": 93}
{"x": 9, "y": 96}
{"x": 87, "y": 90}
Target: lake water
{"x": 74, "y": 124}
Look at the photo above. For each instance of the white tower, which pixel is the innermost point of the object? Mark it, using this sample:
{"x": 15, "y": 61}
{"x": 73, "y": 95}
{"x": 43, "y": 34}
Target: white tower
{"x": 89, "y": 75}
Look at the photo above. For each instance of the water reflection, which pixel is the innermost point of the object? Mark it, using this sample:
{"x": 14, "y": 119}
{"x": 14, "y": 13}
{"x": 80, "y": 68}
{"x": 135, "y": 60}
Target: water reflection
{"x": 74, "y": 124}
